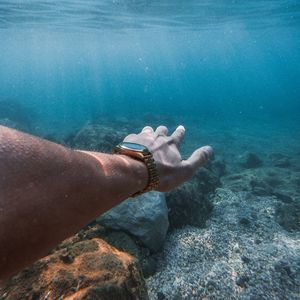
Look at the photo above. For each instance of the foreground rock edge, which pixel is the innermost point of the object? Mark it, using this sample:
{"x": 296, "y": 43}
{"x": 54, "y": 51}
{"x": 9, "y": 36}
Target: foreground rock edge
{"x": 79, "y": 269}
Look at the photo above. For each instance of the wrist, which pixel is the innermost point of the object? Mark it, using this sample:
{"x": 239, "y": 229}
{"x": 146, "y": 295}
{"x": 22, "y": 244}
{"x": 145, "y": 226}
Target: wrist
{"x": 136, "y": 169}
{"x": 140, "y": 153}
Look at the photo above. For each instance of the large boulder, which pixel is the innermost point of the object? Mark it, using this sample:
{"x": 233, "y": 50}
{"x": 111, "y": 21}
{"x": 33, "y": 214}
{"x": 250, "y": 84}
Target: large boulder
{"x": 145, "y": 217}
{"x": 84, "y": 269}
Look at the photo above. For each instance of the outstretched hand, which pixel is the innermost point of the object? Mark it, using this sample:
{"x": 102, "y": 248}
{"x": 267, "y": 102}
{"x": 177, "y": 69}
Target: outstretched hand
{"x": 172, "y": 170}
{"x": 35, "y": 175}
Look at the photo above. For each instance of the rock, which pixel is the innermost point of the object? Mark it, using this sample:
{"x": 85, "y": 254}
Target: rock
{"x": 245, "y": 259}
{"x": 206, "y": 180}
{"x": 288, "y": 215}
{"x": 124, "y": 242}
{"x": 276, "y": 156}
{"x": 238, "y": 182}
{"x": 98, "y": 271}
{"x": 189, "y": 204}
{"x": 273, "y": 181}
{"x": 218, "y": 167}
{"x": 280, "y": 160}
{"x": 149, "y": 266}
{"x": 257, "y": 241}
{"x": 283, "y": 267}
{"x": 66, "y": 258}
{"x": 251, "y": 161}
{"x": 145, "y": 217}
{"x": 257, "y": 181}
{"x": 297, "y": 183}
{"x": 95, "y": 137}
{"x": 260, "y": 187}
{"x": 244, "y": 221}
{"x": 283, "y": 163}
{"x": 283, "y": 197}
{"x": 161, "y": 296}
{"x": 128, "y": 243}
{"x": 241, "y": 281}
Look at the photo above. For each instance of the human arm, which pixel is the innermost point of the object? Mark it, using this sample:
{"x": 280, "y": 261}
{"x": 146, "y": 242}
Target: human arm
{"x": 48, "y": 192}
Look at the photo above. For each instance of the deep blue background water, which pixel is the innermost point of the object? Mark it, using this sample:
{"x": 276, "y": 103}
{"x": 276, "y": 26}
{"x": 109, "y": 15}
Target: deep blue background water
{"x": 73, "y": 61}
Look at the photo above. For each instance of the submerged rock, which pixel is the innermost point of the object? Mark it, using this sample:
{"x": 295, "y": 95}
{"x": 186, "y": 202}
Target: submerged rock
{"x": 96, "y": 271}
{"x": 260, "y": 187}
{"x": 280, "y": 160}
{"x": 187, "y": 206}
{"x": 217, "y": 166}
{"x": 95, "y": 137}
{"x": 189, "y": 203}
{"x": 241, "y": 281}
{"x": 145, "y": 217}
{"x": 250, "y": 160}
{"x": 288, "y": 215}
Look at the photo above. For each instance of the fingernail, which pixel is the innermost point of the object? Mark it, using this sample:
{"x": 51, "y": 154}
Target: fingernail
{"x": 208, "y": 150}
{"x": 180, "y": 127}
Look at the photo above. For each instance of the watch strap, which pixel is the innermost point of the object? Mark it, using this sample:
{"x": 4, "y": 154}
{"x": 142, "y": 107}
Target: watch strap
{"x": 148, "y": 160}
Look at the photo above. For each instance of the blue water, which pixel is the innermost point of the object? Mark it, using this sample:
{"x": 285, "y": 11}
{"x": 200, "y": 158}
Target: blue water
{"x": 72, "y": 61}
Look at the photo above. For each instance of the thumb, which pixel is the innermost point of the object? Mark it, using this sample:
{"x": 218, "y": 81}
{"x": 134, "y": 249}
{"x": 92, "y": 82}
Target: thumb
{"x": 199, "y": 157}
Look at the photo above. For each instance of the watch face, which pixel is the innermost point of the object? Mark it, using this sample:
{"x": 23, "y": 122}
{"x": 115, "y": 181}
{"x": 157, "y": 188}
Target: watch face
{"x": 133, "y": 146}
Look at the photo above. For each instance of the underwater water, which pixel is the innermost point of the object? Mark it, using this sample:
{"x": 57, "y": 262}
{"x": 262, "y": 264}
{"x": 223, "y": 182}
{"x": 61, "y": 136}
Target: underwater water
{"x": 227, "y": 70}
{"x": 227, "y": 60}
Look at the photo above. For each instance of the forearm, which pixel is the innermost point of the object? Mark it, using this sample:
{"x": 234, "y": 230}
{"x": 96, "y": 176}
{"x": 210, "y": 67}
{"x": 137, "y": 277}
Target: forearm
{"x": 48, "y": 192}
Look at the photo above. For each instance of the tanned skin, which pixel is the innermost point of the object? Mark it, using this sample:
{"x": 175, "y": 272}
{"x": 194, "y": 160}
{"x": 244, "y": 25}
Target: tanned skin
{"x": 49, "y": 192}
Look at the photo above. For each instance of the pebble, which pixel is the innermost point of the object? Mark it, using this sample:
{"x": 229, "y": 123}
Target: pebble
{"x": 161, "y": 296}
{"x": 241, "y": 281}
{"x": 245, "y": 259}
